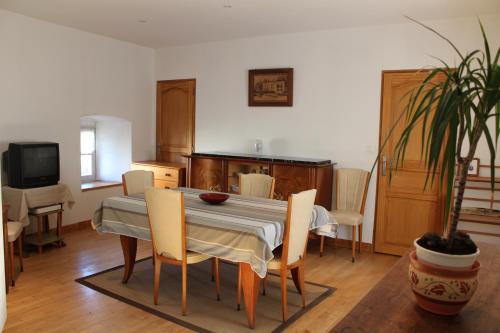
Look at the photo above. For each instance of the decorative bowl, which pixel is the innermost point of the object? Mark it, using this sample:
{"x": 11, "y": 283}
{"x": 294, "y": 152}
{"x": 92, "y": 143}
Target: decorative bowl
{"x": 214, "y": 198}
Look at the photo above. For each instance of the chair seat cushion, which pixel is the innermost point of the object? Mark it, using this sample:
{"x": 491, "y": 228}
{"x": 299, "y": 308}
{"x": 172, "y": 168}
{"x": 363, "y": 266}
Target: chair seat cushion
{"x": 192, "y": 257}
{"x": 275, "y": 263}
{"x": 14, "y": 229}
{"x": 195, "y": 257}
{"x": 347, "y": 217}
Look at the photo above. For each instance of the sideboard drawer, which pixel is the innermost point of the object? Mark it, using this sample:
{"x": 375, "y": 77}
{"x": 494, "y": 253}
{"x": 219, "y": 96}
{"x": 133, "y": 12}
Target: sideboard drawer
{"x": 166, "y": 173}
{"x": 165, "y": 184}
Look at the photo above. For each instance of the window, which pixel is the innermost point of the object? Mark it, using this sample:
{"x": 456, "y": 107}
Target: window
{"x": 87, "y": 154}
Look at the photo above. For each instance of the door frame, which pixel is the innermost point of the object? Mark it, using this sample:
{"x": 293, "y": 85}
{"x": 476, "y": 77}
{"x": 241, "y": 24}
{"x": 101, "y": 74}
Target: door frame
{"x": 157, "y": 116}
{"x": 442, "y": 197}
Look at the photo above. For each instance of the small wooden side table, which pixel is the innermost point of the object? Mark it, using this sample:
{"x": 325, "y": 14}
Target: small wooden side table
{"x": 43, "y": 235}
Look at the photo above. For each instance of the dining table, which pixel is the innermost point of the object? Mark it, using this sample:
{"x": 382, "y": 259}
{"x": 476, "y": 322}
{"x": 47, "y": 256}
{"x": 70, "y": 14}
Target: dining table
{"x": 242, "y": 229}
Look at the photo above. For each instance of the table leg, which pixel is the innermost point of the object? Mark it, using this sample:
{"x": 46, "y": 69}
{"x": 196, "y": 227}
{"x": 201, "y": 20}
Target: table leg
{"x": 129, "y": 248}
{"x": 59, "y": 228}
{"x": 39, "y": 227}
{"x": 250, "y": 283}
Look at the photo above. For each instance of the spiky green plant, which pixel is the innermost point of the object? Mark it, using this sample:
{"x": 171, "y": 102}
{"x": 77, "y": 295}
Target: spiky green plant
{"x": 452, "y": 109}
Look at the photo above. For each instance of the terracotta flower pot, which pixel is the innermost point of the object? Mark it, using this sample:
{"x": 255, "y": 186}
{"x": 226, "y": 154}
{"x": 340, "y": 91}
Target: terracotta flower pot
{"x": 439, "y": 289}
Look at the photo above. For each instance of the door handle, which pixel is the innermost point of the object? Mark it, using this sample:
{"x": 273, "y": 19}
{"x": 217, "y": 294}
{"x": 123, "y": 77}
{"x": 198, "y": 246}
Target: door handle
{"x": 384, "y": 165}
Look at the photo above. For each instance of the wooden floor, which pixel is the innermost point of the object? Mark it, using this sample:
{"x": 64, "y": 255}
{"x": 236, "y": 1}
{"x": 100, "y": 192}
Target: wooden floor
{"x": 46, "y": 298}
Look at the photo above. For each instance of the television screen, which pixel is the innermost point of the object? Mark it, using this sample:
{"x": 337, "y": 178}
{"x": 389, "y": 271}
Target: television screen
{"x": 40, "y": 161}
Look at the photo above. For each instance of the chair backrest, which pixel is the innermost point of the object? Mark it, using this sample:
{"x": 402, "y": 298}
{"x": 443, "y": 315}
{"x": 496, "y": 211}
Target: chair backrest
{"x": 136, "y": 180}
{"x": 352, "y": 185}
{"x": 257, "y": 185}
{"x": 167, "y": 222}
{"x": 300, "y": 209}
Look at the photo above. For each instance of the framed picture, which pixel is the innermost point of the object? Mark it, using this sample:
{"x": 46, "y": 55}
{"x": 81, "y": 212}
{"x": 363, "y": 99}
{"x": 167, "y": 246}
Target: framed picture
{"x": 270, "y": 87}
{"x": 473, "y": 167}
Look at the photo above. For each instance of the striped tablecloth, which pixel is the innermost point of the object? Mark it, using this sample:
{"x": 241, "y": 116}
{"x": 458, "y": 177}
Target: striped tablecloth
{"x": 242, "y": 229}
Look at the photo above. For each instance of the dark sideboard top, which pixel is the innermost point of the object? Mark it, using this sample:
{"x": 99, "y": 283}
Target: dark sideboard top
{"x": 266, "y": 158}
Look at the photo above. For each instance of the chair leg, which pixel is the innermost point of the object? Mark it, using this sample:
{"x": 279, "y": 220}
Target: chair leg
{"x": 302, "y": 285}
{"x": 157, "y": 280}
{"x": 213, "y": 271}
{"x": 360, "y": 237}
{"x": 264, "y": 282}
{"x": 217, "y": 277}
{"x": 284, "y": 303}
{"x": 353, "y": 242}
{"x": 238, "y": 291}
{"x": 184, "y": 288}
{"x": 11, "y": 263}
{"x": 20, "y": 249}
{"x": 321, "y": 245}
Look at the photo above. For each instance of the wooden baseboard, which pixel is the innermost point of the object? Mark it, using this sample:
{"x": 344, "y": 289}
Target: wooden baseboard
{"x": 76, "y": 226}
{"x": 345, "y": 243}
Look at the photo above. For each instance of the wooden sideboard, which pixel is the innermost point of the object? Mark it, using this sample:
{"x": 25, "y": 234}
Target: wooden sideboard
{"x": 220, "y": 172}
{"x": 166, "y": 174}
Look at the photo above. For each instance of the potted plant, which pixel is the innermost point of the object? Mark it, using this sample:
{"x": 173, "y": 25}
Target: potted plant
{"x": 457, "y": 106}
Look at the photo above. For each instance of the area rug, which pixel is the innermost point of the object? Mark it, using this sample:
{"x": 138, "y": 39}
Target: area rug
{"x": 205, "y": 313}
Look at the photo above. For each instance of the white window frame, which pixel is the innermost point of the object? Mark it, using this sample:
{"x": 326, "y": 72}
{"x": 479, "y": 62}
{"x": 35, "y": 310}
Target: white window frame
{"x": 93, "y": 176}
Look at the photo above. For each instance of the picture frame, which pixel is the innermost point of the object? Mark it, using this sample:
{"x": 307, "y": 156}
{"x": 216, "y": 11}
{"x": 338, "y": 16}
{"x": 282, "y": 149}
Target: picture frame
{"x": 270, "y": 87}
{"x": 473, "y": 167}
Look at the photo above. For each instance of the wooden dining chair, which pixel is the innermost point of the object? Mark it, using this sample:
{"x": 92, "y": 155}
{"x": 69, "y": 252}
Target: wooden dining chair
{"x": 260, "y": 186}
{"x": 168, "y": 235}
{"x": 14, "y": 234}
{"x": 135, "y": 181}
{"x": 256, "y": 185}
{"x": 295, "y": 237}
{"x": 352, "y": 187}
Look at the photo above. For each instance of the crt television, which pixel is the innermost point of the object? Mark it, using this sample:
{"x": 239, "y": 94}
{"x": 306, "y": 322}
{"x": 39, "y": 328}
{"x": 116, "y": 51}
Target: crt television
{"x": 32, "y": 164}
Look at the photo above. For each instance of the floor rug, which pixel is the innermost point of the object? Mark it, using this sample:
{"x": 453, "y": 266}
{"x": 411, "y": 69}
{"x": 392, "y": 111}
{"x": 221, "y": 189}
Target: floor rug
{"x": 205, "y": 313}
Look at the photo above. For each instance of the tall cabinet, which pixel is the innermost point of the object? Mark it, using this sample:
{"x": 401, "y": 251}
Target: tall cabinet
{"x": 220, "y": 172}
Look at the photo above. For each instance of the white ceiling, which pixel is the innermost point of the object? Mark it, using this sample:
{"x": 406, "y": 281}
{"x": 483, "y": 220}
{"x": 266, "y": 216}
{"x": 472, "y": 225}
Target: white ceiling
{"x": 178, "y": 22}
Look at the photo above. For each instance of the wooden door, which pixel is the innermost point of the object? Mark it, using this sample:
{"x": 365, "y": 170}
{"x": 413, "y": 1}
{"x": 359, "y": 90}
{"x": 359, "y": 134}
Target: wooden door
{"x": 175, "y": 117}
{"x": 404, "y": 210}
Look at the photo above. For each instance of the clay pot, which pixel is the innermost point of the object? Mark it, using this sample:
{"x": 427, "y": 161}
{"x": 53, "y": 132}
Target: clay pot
{"x": 440, "y": 289}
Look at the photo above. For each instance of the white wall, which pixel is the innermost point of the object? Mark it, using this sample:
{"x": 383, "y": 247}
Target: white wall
{"x": 336, "y": 88}
{"x": 53, "y": 75}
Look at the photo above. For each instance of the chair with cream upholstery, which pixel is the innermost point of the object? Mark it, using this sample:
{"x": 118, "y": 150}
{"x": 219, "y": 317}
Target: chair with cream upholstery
{"x": 135, "y": 181}
{"x": 352, "y": 186}
{"x": 14, "y": 231}
{"x": 295, "y": 237}
{"x": 260, "y": 186}
{"x": 256, "y": 185}
{"x": 168, "y": 235}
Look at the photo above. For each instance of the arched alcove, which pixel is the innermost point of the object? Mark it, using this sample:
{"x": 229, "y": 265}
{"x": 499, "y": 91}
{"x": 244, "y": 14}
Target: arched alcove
{"x": 113, "y": 145}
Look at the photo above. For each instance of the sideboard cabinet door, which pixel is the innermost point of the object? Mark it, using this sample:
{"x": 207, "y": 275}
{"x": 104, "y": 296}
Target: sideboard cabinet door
{"x": 292, "y": 179}
{"x": 207, "y": 174}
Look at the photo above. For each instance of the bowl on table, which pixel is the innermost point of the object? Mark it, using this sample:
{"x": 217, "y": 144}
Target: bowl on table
{"x": 214, "y": 198}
